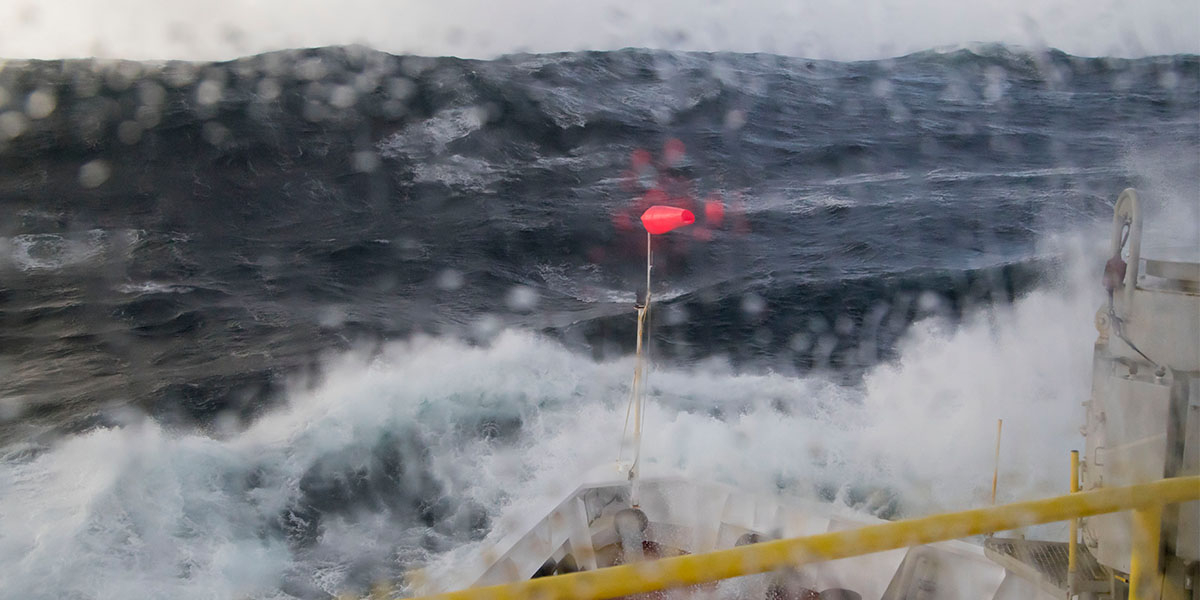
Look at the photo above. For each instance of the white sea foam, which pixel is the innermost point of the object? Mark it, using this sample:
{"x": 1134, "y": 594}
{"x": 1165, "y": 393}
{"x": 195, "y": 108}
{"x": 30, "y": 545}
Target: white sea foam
{"x": 430, "y": 136}
{"x": 138, "y": 511}
{"x": 48, "y": 252}
{"x": 153, "y": 287}
{"x": 42, "y": 252}
{"x": 459, "y": 171}
{"x": 588, "y": 284}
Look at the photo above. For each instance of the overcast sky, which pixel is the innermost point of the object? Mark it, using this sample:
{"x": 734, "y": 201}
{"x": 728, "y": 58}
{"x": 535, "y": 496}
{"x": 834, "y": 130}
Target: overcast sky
{"x": 835, "y": 29}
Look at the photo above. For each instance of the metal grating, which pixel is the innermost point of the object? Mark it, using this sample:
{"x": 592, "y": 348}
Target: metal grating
{"x": 1047, "y": 559}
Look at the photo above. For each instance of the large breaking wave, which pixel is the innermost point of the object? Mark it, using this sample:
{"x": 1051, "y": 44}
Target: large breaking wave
{"x": 292, "y": 324}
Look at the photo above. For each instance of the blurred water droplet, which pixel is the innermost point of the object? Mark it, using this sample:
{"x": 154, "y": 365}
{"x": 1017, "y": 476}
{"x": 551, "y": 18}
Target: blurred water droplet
{"x": 129, "y": 132}
{"x": 315, "y": 111}
{"x": 85, "y": 84}
{"x": 226, "y": 423}
{"x": 449, "y": 280}
{"x": 522, "y": 298}
{"x": 486, "y": 327}
{"x": 996, "y": 81}
{"x": 311, "y": 69}
{"x": 852, "y": 107}
{"x": 735, "y": 119}
{"x": 365, "y": 161}
{"x": 818, "y": 324}
{"x": 411, "y": 249}
{"x": 929, "y": 302}
{"x": 823, "y": 351}
{"x": 268, "y": 89}
{"x": 762, "y": 337}
{"x": 674, "y": 152}
{"x": 898, "y": 112}
{"x": 331, "y": 317}
{"x": 148, "y": 116}
{"x": 151, "y": 94}
{"x": 800, "y": 342}
{"x": 215, "y": 133}
{"x": 122, "y": 75}
{"x": 209, "y": 92}
{"x": 343, "y": 96}
{"x": 1122, "y": 81}
{"x": 400, "y": 88}
{"x": 675, "y": 314}
{"x": 12, "y": 124}
{"x": 1169, "y": 80}
{"x": 179, "y": 74}
{"x": 414, "y": 66}
{"x": 753, "y": 305}
{"x": 40, "y": 104}
{"x": 365, "y": 83}
{"x": 93, "y": 174}
{"x": 10, "y": 409}
{"x": 844, "y": 326}
{"x": 394, "y": 109}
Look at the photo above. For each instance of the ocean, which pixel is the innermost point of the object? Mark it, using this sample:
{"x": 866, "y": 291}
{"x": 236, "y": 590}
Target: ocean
{"x": 288, "y": 325}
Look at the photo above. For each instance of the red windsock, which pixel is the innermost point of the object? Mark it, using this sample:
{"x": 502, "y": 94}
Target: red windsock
{"x": 661, "y": 219}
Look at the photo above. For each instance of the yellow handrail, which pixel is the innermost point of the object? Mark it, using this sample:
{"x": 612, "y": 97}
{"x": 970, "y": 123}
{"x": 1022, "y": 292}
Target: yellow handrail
{"x": 1144, "y": 578}
{"x": 693, "y": 569}
{"x": 1073, "y": 531}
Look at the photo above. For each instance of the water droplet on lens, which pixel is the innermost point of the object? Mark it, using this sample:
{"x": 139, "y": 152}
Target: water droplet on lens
{"x": 844, "y": 326}
{"x": 40, "y": 104}
{"x": 93, "y": 174}
{"x": 522, "y": 298}
{"x": 208, "y": 92}
{"x": 151, "y": 94}
{"x": 331, "y": 317}
{"x": 343, "y": 96}
{"x": 449, "y": 280}
{"x": 311, "y": 69}
{"x": 675, "y": 314}
{"x": 753, "y": 305}
{"x": 800, "y": 342}
{"x": 365, "y": 161}
{"x": 10, "y": 409}
{"x": 129, "y": 132}
{"x": 486, "y": 327}
{"x": 735, "y": 119}
{"x": 1169, "y": 80}
{"x": 12, "y": 124}
{"x": 215, "y": 133}
{"x": 268, "y": 89}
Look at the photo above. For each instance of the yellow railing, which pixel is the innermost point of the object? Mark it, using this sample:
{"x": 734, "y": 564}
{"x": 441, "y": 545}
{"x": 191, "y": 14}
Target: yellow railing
{"x": 1146, "y": 500}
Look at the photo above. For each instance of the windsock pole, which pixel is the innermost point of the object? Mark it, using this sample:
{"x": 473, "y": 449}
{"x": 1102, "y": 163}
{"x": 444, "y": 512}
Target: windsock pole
{"x": 657, "y": 220}
{"x": 639, "y": 376}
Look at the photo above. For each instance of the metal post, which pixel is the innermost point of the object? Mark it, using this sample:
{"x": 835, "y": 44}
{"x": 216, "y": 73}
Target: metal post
{"x": 1145, "y": 581}
{"x": 996, "y": 465}
{"x": 639, "y": 375}
{"x": 1073, "y": 536}
{"x": 637, "y": 409}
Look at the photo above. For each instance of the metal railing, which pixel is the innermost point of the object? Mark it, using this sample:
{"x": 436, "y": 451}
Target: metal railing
{"x": 1145, "y": 500}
